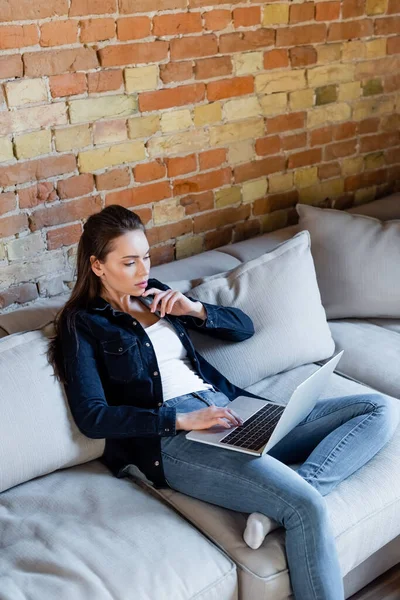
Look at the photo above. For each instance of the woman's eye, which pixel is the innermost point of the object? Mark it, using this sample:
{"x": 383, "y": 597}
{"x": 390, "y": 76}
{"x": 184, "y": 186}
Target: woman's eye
{"x": 132, "y": 263}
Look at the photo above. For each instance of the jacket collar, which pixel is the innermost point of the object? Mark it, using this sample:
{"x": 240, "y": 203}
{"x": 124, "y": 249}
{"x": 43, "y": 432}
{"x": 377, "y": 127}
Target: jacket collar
{"x": 99, "y": 304}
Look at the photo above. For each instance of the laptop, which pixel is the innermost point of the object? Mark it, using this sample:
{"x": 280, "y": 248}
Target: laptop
{"x": 266, "y": 423}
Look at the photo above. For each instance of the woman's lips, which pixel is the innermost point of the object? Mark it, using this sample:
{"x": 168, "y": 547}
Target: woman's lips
{"x": 144, "y": 284}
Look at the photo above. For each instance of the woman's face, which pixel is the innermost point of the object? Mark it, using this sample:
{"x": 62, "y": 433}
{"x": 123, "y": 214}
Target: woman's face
{"x": 126, "y": 265}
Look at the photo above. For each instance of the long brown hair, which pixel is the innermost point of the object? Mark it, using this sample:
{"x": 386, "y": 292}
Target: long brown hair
{"x": 99, "y": 232}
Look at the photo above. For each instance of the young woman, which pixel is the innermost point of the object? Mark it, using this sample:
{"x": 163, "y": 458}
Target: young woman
{"x": 137, "y": 381}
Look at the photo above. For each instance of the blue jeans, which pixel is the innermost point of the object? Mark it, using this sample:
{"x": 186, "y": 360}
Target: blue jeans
{"x": 338, "y": 437}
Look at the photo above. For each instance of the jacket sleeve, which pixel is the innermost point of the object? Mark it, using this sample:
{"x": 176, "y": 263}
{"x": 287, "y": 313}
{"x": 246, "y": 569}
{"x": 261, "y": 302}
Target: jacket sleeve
{"x": 86, "y": 397}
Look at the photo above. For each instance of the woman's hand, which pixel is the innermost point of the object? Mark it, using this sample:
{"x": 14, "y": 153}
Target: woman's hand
{"x": 175, "y": 303}
{"x": 208, "y": 417}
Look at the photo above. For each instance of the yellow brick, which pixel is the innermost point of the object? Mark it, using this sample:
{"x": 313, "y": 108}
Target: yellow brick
{"x": 242, "y": 108}
{"x": 373, "y": 161}
{"x": 353, "y": 50}
{"x": 330, "y": 74}
{"x": 276, "y": 13}
{"x": 178, "y": 143}
{"x": 33, "y": 117}
{"x": 188, "y": 246}
{"x": 364, "y": 195}
{"x": 241, "y": 152}
{"x": 280, "y": 81}
{"x": 250, "y": 62}
{"x": 72, "y": 137}
{"x": 330, "y": 113}
{"x": 233, "y": 132}
{"x": 352, "y": 166}
{"x": 371, "y": 107}
{"x": 26, "y": 91}
{"x": 91, "y": 109}
{"x": 273, "y": 104}
{"x": 110, "y": 156}
{"x": 176, "y": 120}
{"x": 252, "y": 190}
{"x": 349, "y": 91}
{"x": 280, "y": 182}
{"x": 167, "y": 211}
{"x": 317, "y": 193}
{"x": 376, "y": 48}
{"x": 33, "y": 144}
{"x": 6, "y": 149}
{"x": 273, "y": 221}
{"x": 140, "y": 127}
{"x": 227, "y": 196}
{"x": 376, "y": 7}
{"x": 138, "y": 79}
{"x": 305, "y": 177}
{"x": 328, "y": 53}
{"x": 107, "y": 132}
{"x": 301, "y": 99}
{"x": 2, "y": 252}
{"x": 207, "y": 113}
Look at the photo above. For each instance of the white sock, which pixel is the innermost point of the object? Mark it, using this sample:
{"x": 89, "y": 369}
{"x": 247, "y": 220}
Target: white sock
{"x": 257, "y": 527}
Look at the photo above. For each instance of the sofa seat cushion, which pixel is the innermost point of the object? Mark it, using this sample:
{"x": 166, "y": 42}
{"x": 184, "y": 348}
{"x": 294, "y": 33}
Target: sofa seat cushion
{"x": 115, "y": 542}
{"x": 371, "y": 352}
{"x": 365, "y": 508}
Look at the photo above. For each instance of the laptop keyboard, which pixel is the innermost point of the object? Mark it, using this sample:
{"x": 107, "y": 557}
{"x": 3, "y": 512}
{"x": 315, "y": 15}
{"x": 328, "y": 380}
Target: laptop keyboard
{"x": 256, "y": 430}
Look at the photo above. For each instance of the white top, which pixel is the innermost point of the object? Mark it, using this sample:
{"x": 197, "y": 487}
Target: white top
{"x": 177, "y": 374}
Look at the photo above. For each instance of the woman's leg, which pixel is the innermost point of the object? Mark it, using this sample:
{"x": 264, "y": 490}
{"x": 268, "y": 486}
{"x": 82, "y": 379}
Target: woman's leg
{"x": 245, "y": 483}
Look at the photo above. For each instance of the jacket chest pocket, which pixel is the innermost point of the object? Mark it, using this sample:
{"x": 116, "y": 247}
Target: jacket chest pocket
{"x": 122, "y": 359}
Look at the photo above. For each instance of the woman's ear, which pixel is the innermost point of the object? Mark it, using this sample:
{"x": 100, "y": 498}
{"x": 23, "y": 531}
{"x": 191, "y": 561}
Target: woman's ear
{"x": 95, "y": 265}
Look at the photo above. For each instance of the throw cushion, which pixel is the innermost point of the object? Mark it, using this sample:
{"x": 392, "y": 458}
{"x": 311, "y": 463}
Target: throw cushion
{"x": 357, "y": 261}
{"x": 279, "y": 292}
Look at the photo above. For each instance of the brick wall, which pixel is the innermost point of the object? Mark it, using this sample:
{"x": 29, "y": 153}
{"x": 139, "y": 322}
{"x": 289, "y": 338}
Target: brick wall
{"x": 210, "y": 120}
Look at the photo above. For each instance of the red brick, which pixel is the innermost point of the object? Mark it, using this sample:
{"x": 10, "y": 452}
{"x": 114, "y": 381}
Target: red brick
{"x": 298, "y": 140}
{"x": 11, "y": 225}
{"x": 276, "y": 59}
{"x": 26, "y": 10}
{"x": 212, "y": 158}
{"x": 370, "y": 125}
{"x": 246, "y": 40}
{"x": 246, "y": 17}
{"x": 150, "y": 171}
{"x": 142, "y": 194}
{"x": 11, "y": 66}
{"x": 329, "y": 170}
{"x": 64, "y": 212}
{"x": 353, "y": 8}
{"x": 134, "y": 28}
{"x": 393, "y": 7}
{"x": 59, "y": 33}
{"x": 327, "y": 11}
{"x": 386, "y": 26}
{"x": 177, "y": 24}
{"x": 116, "y": 178}
{"x": 274, "y": 202}
{"x": 215, "y": 20}
{"x": 393, "y": 156}
{"x": 392, "y": 83}
{"x": 178, "y": 71}
{"x": 92, "y": 7}
{"x": 340, "y": 149}
{"x": 321, "y": 136}
{"x": 304, "y": 158}
{"x": 220, "y": 218}
{"x": 55, "y": 62}
{"x": 303, "y": 56}
{"x": 213, "y": 67}
{"x": 18, "y": 36}
{"x": 220, "y": 237}
{"x": 258, "y": 168}
{"x": 156, "y": 235}
{"x": 126, "y": 7}
{"x": 349, "y": 30}
{"x": 301, "y": 12}
{"x": 67, "y": 85}
{"x": 32, "y": 170}
{"x": 131, "y": 54}
{"x": 177, "y": 96}
{"x": 268, "y": 145}
{"x": 344, "y": 130}
{"x": 203, "y": 181}
{"x": 105, "y": 81}
{"x": 19, "y": 294}
{"x": 286, "y": 122}
{"x": 355, "y": 182}
{"x": 199, "y": 3}
{"x": 301, "y": 34}
{"x": 192, "y": 47}
{"x": 160, "y": 255}
{"x": 195, "y": 203}
{"x": 227, "y": 88}
{"x": 246, "y": 230}
{"x": 64, "y": 236}
{"x": 393, "y": 45}
{"x": 97, "y": 30}
{"x": 8, "y": 202}
{"x": 379, "y": 141}
{"x": 73, "y": 187}
{"x": 37, "y": 194}
{"x": 181, "y": 164}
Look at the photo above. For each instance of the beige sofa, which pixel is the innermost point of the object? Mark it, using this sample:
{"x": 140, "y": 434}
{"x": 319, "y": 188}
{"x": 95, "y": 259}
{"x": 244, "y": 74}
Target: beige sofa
{"x": 68, "y": 529}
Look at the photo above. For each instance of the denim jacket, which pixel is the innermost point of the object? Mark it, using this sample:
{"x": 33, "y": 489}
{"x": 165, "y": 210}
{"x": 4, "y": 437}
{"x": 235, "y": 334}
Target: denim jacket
{"x": 113, "y": 384}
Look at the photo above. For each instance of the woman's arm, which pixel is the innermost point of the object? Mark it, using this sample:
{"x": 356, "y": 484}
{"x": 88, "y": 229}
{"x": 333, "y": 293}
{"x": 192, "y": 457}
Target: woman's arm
{"x": 89, "y": 407}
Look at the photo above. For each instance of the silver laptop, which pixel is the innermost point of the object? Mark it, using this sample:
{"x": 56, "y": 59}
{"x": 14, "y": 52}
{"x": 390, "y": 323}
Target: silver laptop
{"x": 266, "y": 423}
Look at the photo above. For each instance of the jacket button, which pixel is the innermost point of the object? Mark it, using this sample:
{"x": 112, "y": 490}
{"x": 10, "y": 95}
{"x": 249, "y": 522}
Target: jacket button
{"x": 181, "y": 334}
{"x": 120, "y": 349}
{"x": 155, "y": 373}
{"x": 156, "y": 463}
{"x": 134, "y": 322}
{"x": 160, "y": 404}
{"x": 167, "y": 429}
{"x": 147, "y": 344}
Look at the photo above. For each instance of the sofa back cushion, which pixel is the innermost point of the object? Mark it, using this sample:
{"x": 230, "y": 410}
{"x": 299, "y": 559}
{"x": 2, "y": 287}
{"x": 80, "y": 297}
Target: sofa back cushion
{"x": 37, "y": 432}
{"x": 279, "y": 292}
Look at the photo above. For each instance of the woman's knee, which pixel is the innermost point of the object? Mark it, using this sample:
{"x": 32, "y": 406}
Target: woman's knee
{"x": 307, "y": 506}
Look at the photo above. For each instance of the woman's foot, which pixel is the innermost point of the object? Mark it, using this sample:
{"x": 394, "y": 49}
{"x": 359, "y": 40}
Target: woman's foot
{"x": 257, "y": 527}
